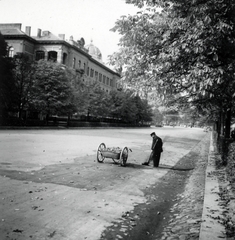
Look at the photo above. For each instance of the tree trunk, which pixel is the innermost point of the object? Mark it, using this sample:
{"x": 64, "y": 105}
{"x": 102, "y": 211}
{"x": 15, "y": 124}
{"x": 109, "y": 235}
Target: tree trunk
{"x": 228, "y": 123}
{"x": 47, "y": 119}
{"x": 222, "y": 123}
{"x": 68, "y": 120}
{"x": 88, "y": 114}
{"x": 218, "y": 125}
{"x": 3, "y": 115}
{"x": 20, "y": 111}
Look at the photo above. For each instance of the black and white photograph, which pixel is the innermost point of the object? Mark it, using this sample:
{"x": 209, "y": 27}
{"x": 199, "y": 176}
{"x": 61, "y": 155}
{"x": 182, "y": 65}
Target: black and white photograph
{"x": 117, "y": 119}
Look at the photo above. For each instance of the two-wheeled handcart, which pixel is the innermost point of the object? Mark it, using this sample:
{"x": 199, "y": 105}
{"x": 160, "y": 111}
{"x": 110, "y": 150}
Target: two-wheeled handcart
{"x": 118, "y": 155}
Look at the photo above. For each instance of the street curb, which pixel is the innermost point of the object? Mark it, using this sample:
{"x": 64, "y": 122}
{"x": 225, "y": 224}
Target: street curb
{"x": 211, "y": 229}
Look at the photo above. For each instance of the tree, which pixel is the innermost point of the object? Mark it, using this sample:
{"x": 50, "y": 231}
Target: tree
{"x": 186, "y": 48}
{"x": 116, "y": 103}
{"x": 157, "y": 116}
{"x": 98, "y": 101}
{"x": 144, "y": 111}
{"x": 129, "y": 108}
{"x": 6, "y": 80}
{"x": 91, "y": 100}
{"x": 23, "y": 73}
{"x": 53, "y": 92}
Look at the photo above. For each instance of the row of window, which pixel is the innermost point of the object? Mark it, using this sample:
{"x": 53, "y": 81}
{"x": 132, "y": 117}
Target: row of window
{"x": 52, "y": 55}
{"x": 90, "y": 81}
{"x": 79, "y": 64}
{"x": 99, "y": 76}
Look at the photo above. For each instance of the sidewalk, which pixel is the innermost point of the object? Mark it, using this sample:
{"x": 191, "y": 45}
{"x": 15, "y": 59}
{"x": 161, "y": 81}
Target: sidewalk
{"x": 211, "y": 229}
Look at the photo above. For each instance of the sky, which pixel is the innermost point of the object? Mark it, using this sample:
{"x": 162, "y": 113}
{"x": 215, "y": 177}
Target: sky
{"x": 90, "y": 19}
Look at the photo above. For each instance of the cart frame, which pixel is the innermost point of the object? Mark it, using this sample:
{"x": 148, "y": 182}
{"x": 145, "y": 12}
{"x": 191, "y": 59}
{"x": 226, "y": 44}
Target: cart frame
{"x": 117, "y": 157}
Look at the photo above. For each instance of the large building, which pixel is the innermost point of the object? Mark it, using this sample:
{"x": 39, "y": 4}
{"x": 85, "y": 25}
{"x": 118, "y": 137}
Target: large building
{"x": 85, "y": 59}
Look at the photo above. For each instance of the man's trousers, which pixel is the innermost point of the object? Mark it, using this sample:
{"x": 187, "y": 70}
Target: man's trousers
{"x": 155, "y": 156}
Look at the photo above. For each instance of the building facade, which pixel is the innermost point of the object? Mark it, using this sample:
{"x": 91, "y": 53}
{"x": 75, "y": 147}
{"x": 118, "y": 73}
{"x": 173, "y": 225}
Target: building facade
{"x": 85, "y": 59}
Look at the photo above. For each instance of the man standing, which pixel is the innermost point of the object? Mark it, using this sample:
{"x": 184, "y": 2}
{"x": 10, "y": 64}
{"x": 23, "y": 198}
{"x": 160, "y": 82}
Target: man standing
{"x": 156, "y": 150}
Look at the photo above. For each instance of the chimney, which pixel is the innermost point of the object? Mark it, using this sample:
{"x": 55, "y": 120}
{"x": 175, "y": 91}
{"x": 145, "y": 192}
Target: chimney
{"x": 39, "y": 33}
{"x": 62, "y": 36}
{"x": 28, "y": 30}
{"x": 45, "y": 33}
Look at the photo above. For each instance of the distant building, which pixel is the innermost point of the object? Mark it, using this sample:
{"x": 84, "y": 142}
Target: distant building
{"x": 85, "y": 59}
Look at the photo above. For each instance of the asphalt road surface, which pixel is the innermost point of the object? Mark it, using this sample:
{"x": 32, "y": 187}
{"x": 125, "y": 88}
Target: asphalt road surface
{"x": 52, "y": 186}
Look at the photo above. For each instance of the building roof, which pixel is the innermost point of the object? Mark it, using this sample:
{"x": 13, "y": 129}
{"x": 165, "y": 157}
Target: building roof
{"x": 46, "y": 35}
{"x": 12, "y": 31}
{"x": 94, "y": 51}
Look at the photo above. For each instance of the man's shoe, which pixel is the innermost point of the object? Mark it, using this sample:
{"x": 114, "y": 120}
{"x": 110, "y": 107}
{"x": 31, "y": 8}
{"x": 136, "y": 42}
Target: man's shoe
{"x": 145, "y": 163}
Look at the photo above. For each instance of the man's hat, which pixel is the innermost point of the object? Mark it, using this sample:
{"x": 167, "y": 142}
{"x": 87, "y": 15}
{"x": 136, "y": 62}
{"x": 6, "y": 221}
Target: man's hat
{"x": 153, "y": 133}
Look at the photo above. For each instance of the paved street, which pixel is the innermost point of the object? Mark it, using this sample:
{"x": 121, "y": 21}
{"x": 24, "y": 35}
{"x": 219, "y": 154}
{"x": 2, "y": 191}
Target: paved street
{"x": 53, "y": 188}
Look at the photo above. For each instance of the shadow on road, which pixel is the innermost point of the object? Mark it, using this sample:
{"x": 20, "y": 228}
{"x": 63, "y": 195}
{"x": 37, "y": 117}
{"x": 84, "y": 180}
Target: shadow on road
{"x": 138, "y": 166}
{"x": 175, "y": 168}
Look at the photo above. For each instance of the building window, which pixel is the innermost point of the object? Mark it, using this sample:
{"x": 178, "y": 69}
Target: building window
{"x": 65, "y": 58}
{"x": 40, "y": 55}
{"x": 92, "y": 73}
{"x": 111, "y": 82}
{"x": 100, "y": 77}
{"x": 88, "y": 71}
{"x": 74, "y": 63}
{"x": 104, "y": 79}
{"x": 107, "y": 81}
{"x": 96, "y": 75}
{"x": 52, "y": 56}
{"x": 11, "y": 52}
{"x": 79, "y": 64}
{"x": 84, "y": 66}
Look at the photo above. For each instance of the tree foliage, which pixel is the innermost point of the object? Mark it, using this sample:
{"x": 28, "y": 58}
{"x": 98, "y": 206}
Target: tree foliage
{"x": 6, "y": 79}
{"x": 157, "y": 116}
{"x": 183, "y": 48}
{"x": 97, "y": 101}
{"x": 23, "y": 74}
{"x": 52, "y": 89}
{"x": 129, "y": 107}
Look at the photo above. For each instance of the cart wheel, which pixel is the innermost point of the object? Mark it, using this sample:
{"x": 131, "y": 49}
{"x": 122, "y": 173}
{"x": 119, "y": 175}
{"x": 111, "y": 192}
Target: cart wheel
{"x": 124, "y": 156}
{"x": 100, "y": 157}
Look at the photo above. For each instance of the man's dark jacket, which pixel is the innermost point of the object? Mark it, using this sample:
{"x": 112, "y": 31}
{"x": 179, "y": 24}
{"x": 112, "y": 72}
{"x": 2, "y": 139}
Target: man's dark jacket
{"x": 157, "y": 144}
